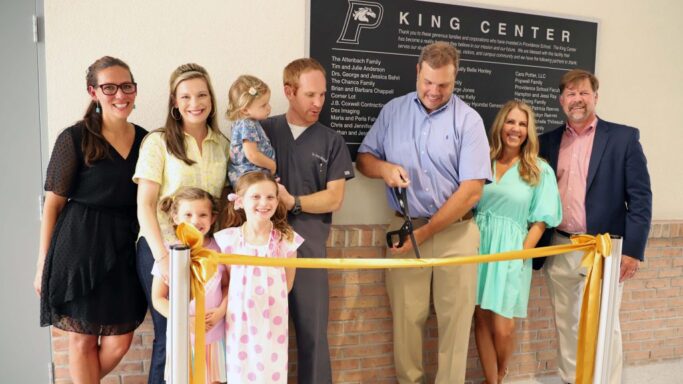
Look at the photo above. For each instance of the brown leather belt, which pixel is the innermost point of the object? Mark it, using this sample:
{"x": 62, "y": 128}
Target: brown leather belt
{"x": 565, "y": 234}
{"x": 420, "y": 221}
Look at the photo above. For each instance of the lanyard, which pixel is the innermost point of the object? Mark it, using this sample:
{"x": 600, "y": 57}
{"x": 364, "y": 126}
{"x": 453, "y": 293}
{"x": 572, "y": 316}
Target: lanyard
{"x": 406, "y": 229}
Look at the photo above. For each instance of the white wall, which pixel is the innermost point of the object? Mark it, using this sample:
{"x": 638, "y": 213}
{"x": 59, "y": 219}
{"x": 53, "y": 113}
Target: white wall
{"x": 638, "y": 65}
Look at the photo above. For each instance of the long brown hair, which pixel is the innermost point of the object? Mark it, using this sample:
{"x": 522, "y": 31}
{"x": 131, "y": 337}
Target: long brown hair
{"x": 528, "y": 157}
{"x": 169, "y": 204}
{"x": 93, "y": 144}
{"x": 173, "y": 129}
{"x": 235, "y": 217}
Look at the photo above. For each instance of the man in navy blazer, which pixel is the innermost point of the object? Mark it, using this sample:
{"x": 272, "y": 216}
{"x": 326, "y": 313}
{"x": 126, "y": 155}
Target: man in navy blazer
{"x": 605, "y": 188}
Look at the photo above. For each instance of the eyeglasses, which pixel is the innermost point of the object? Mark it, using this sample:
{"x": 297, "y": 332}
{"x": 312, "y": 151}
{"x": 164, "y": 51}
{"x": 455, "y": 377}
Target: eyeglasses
{"x": 110, "y": 89}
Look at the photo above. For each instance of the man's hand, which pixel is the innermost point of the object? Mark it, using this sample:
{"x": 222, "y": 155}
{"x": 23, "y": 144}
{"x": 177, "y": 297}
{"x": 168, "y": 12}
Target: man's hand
{"x": 421, "y": 235}
{"x": 394, "y": 175}
{"x": 629, "y": 267}
{"x": 285, "y": 197}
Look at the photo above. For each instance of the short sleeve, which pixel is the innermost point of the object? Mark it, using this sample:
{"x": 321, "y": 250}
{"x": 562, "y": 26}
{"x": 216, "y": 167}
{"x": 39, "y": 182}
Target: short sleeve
{"x": 64, "y": 165}
{"x": 474, "y": 162}
{"x": 374, "y": 139}
{"x": 150, "y": 165}
{"x": 340, "y": 165}
{"x": 545, "y": 202}
{"x": 288, "y": 248}
{"x": 225, "y": 239}
{"x": 245, "y": 130}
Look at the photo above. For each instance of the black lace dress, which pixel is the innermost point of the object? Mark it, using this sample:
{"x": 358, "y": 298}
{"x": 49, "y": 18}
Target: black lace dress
{"x": 89, "y": 280}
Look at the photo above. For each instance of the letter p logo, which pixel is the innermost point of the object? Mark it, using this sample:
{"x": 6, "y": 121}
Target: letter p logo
{"x": 360, "y": 15}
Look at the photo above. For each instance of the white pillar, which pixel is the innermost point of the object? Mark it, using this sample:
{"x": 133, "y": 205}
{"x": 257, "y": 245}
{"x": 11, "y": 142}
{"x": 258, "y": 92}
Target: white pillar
{"x": 177, "y": 334}
{"x": 608, "y": 314}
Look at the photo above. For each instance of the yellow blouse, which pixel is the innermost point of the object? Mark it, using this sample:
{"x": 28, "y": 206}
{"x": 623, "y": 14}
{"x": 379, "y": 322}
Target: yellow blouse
{"x": 209, "y": 172}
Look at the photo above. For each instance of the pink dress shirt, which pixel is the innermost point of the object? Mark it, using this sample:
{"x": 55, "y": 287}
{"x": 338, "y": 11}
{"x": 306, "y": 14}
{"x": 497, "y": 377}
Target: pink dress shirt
{"x": 572, "y": 174}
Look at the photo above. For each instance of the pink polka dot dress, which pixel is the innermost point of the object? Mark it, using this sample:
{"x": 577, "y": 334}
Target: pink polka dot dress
{"x": 257, "y": 316}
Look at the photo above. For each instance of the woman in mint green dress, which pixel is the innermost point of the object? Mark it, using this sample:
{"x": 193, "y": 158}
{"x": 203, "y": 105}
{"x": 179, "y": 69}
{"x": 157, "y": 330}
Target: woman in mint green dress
{"x": 512, "y": 214}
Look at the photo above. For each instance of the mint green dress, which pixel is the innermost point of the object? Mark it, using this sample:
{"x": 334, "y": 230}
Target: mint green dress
{"x": 506, "y": 210}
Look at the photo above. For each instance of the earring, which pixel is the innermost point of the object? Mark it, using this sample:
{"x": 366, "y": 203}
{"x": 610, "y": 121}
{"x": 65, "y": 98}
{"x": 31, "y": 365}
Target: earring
{"x": 173, "y": 116}
{"x": 133, "y": 106}
{"x": 97, "y": 108}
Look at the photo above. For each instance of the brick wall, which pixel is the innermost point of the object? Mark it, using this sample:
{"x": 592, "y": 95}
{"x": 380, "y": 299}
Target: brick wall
{"x": 360, "y": 319}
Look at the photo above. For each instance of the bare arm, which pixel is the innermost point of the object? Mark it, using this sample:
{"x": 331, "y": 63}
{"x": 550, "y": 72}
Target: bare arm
{"x": 255, "y": 156}
{"x": 328, "y": 200}
{"x": 460, "y": 203}
{"x": 148, "y": 192}
{"x": 160, "y": 296}
{"x": 51, "y": 209}
{"x": 290, "y": 273}
{"x": 214, "y": 315}
{"x": 535, "y": 232}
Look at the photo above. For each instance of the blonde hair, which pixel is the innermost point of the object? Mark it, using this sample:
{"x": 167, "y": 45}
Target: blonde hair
{"x": 293, "y": 70}
{"x": 234, "y": 218}
{"x": 242, "y": 93}
{"x": 528, "y": 157}
{"x": 170, "y": 204}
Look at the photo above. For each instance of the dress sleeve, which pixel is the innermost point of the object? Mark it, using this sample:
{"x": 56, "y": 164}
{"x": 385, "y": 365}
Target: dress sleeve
{"x": 245, "y": 129}
{"x": 545, "y": 204}
{"x": 225, "y": 239}
{"x": 64, "y": 165}
{"x": 150, "y": 165}
{"x": 288, "y": 248}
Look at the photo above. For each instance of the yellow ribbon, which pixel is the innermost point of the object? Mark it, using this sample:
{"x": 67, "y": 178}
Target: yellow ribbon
{"x": 204, "y": 261}
{"x": 590, "y": 305}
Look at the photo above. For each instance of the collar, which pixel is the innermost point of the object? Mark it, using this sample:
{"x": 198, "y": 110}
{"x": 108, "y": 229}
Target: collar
{"x": 591, "y": 127}
{"x": 210, "y": 136}
{"x": 417, "y": 102}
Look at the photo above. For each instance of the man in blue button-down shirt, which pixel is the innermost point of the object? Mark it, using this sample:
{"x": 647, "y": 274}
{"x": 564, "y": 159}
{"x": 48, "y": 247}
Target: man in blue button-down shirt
{"x": 435, "y": 145}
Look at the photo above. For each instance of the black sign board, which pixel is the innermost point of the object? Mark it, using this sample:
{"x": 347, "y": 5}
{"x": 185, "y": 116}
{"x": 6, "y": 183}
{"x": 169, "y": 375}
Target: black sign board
{"x": 370, "y": 51}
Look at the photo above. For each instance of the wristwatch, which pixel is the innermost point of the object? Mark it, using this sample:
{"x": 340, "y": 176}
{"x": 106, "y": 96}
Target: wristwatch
{"x": 296, "y": 209}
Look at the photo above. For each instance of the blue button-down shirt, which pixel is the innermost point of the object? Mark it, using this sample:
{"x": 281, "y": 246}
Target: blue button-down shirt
{"x": 439, "y": 150}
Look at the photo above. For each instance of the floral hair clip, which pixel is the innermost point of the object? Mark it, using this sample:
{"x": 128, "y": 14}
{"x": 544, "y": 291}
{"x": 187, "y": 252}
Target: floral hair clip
{"x": 232, "y": 197}
{"x": 253, "y": 91}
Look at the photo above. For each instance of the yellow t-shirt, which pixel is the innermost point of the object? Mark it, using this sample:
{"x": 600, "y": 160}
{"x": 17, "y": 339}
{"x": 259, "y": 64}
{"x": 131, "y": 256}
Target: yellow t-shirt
{"x": 157, "y": 164}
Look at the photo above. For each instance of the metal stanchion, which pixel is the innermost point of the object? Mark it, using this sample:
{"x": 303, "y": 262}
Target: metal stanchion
{"x": 178, "y": 334}
{"x": 608, "y": 313}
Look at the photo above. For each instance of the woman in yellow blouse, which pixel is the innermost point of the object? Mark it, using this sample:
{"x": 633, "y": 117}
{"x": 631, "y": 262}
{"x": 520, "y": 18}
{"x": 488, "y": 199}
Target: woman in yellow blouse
{"x": 189, "y": 151}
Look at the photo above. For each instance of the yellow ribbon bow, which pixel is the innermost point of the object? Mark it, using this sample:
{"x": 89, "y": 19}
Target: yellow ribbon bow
{"x": 590, "y": 305}
{"x": 202, "y": 267}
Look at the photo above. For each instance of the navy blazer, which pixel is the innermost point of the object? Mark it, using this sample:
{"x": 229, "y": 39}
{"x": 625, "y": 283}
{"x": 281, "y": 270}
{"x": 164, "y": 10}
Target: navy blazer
{"x": 618, "y": 194}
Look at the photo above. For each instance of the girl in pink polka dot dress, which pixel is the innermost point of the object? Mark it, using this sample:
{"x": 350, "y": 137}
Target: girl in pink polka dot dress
{"x": 257, "y": 315}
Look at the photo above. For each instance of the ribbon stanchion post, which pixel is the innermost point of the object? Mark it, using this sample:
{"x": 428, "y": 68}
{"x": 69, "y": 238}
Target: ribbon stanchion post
{"x": 179, "y": 295}
{"x": 589, "y": 320}
{"x": 608, "y": 313}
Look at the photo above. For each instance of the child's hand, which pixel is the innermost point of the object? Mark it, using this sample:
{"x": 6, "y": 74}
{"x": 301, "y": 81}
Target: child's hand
{"x": 213, "y": 317}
